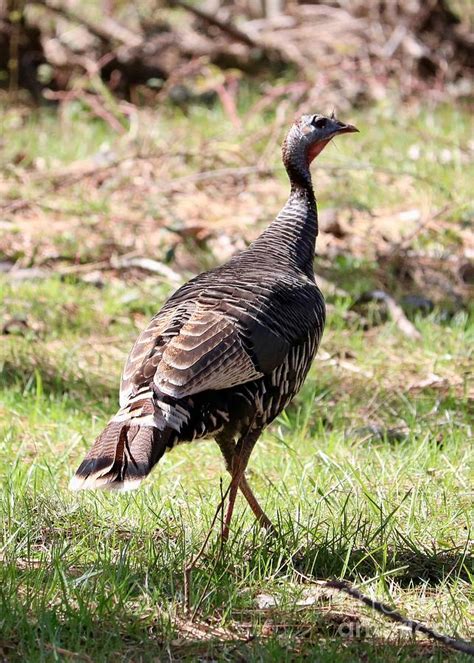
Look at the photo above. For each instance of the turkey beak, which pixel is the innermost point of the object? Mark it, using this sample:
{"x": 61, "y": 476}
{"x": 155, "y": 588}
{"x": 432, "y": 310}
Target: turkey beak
{"x": 347, "y": 129}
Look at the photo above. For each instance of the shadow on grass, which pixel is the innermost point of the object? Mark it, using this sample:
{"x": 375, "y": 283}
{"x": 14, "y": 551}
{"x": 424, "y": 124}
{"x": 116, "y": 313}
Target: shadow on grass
{"x": 409, "y": 567}
{"x": 125, "y": 602}
{"x": 40, "y": 376}
{"x": 287, "y": 645}
{"x": 341, "y": 555}
{"x": 322, "y": 633}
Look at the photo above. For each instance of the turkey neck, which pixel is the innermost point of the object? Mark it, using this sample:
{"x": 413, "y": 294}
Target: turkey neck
{"x": 290, "y": 240}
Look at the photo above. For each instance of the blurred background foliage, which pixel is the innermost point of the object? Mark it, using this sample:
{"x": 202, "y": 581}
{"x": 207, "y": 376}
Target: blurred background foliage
{"x": 342, "y": 52}
{"x": 156, "y": 126}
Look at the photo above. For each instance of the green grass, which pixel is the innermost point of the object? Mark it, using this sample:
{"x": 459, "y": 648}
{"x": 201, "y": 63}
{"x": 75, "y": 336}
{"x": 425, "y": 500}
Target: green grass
{"x": 368, "y": 474}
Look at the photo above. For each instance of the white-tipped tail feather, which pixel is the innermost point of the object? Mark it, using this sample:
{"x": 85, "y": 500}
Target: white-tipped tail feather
{"x": 121, "y": 457}
{"x": 78, "y": 483}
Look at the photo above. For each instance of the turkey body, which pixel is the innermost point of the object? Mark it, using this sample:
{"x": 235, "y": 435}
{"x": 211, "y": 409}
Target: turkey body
{"x": 242, "y": 323}
{"x": 229, "y": 350}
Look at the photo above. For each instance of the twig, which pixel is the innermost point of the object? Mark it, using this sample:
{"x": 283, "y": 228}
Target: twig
{"x": 394, "y": 310}
{"x": 85, "y": 267}
{"x": 120, "y": 262}
{"x": 225, "y": 26}
{"x": 102, "y": 112}
{"x": 227, "y": 94}
{"x": 345, "y": 365}
{"x": 390, "y": 171}
{"x": 387, "y": 611}
{"x": 240, "y": 171}
{"x": 394, "y": 615}
{"x": 108, "y": 30}
{"x": 28, "y": 273}
{"x": 148, "y": 265}
{"x": 400, "y": 319}
{"x": 94, "y": 103}
{"x": 68, "y": 653}
{"x": 423, "y": 223}
{"x": 15, "y": 205}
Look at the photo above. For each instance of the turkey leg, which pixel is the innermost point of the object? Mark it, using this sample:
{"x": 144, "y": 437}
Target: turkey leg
{"x": 240, "y": 458}
{"x": 228, "y": 450}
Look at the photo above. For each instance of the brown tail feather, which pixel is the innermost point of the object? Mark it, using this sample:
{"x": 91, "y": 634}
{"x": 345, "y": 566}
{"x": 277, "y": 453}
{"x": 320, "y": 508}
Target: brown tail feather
{"x": 121, "y": 457}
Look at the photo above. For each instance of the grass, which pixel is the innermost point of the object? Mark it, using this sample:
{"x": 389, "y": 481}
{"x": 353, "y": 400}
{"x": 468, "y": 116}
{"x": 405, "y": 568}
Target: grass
{"x": 367, "y": 474}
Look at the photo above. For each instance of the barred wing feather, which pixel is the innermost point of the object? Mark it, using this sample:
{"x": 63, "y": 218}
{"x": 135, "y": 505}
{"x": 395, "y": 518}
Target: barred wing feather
{"x": 207, "y": 354}
{"x": 184, "y": 352}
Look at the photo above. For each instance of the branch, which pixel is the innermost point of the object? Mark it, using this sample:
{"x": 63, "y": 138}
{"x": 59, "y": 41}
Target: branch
{"x": 394, "y": 310}
{"x": 225, "y": 26}
{"x": 107, "y": 31}
{"x": 414, "y": 625}
{"x": 387, "y": 611}
{"x": 273, "y": 51}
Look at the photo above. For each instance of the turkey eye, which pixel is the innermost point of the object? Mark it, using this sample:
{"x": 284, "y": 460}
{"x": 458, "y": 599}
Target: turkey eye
{"x": 319, "y": 124}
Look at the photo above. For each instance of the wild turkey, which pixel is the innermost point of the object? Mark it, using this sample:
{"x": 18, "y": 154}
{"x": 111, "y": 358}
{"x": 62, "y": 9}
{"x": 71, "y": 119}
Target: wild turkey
{"x": 229, "y": 350}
